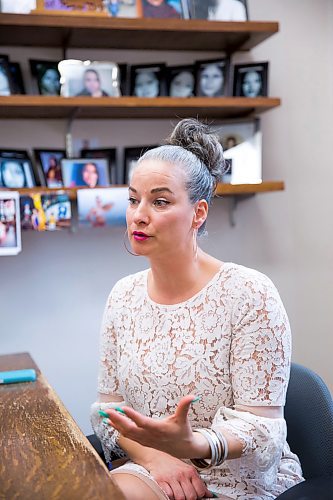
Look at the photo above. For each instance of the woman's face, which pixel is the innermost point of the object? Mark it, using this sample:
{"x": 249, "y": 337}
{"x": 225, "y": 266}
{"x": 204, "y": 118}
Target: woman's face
{"x": 91, "y": 82}
{"x": 155, "y": 3}
{"x": 13, "y": 174}
{"x": 146, "y": 84}
{"x": 50, "y": 82}
{"x": 182, "y": 85}
{"x": 211, "y": 80}
{"x": 90, "y": 175}
{"x": 4, "y": 84}
{"x": 159, "y": 215}
{"x": 251, "y": 84}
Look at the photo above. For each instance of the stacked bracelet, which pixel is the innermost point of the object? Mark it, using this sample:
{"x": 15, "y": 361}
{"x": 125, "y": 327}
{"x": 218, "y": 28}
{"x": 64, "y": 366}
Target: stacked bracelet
{"x": 218, "y": 448}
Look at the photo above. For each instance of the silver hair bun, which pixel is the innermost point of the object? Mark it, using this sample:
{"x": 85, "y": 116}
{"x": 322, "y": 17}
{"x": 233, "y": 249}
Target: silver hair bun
{"x": 197, "y": 138}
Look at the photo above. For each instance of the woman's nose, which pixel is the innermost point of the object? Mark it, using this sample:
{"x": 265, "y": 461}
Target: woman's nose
{"x": 141, "y": 214}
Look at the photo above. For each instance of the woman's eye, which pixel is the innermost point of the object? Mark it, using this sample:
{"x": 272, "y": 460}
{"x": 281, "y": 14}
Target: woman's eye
{"x": 161, "y": 203}
{"x": 132, "y": 201}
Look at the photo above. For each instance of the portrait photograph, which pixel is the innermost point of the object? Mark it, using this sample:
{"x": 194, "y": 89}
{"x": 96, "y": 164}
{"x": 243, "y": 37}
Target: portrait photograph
{"x": 102, "y": 207}
{"x": 242, "y": 144}
{"x": 251, "y": 80}
{"x": 148, "y": 80}
{"x": 49, "y": 166}
{"x": 89, "y": 78}
{"x": 219, "y": 10}
{"x": 46, "y": 76}
{"x": 131, "y": 156}
{"x": 17, "y": 6}
{"x": 89, "y": 7}
{"x": 181, "y": 81}
{"x": 16, "y": 169}
{"x": 84, "y": 172}
{"x": 212, "y": 77}
{"x": 167, "y": 9}
{"x": 10, "y": 228}
{"x": 45, "y": 212}
{"x": 123, "y": 8}
{"x": 109, "y": 154}
{"x": 6, "y": 83}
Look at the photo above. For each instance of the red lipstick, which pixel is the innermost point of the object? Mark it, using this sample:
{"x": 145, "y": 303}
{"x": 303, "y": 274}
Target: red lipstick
{"x": 140, "y": 236}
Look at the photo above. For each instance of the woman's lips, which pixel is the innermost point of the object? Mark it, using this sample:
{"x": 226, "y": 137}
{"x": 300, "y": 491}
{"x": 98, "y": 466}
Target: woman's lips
{"x": 139, "y": 236}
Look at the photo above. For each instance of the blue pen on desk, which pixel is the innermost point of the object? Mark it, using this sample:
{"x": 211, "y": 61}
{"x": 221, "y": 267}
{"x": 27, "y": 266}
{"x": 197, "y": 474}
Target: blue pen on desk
{"x": 15, "y": 376}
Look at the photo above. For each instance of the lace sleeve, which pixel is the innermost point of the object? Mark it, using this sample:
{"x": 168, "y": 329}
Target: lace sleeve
{"x": 261, "y": 345}
{"x": 259, "y": 366}
{"x": 107, "y": 384}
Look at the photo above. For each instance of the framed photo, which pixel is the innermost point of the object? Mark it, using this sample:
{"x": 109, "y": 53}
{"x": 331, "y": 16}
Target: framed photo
{"x": 102, "y": 207}
{"x": 46, "y": 75}
{"x": 251, "y": 80}
{"x": 16, "y": 169}
{"x": 89, "y": 78}
{"x": 219, "y": 10}
{"x": 167, "y": 9}
{"x": 49, "y": 166}
{"x": 6, "y": 83}
{"x": 109, "y": 155}
{"x": 10, "y": 229}
{"x": 181, "y": 81}
{"x": 84, "y": 172}
{"x": 124, "y": 78}
{"x": 91, "y": 7}
{"x": 45, "y": 212}
{"x": 131, "y": 156}
{"x": 17, "y": 78}
{"x": 17, "y": 6}
{"x": 124, "y": 8}
{"x": 212, "y": 77}
{"x": 242, "y": 144}
{"x": 148, "y": 80}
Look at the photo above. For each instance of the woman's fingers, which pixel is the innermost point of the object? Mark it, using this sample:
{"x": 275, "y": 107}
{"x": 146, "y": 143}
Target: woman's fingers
{"x": 183, "y": 407}
{"x": 200, "y": 488}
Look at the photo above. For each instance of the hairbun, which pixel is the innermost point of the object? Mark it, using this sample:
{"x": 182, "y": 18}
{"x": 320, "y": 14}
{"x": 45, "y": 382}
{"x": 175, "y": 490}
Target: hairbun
{"x": 197, "y": 138}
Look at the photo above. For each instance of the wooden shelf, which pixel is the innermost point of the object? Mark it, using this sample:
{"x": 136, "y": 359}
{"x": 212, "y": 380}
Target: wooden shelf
{"x": 222, "y": 190}
{"x": 31, "y": 106}
{"x": 120, "y": 33}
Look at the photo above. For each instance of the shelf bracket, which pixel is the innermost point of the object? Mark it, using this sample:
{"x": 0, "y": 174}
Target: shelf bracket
{"x": 233, "y": 202}
{"x": 69, "y": 138}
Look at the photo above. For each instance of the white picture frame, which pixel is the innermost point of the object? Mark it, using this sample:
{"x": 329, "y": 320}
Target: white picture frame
{"x": 10, "y": 224}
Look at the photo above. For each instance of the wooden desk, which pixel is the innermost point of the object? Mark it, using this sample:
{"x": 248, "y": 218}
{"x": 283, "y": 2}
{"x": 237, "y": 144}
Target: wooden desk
{"x": 44, "y": 455}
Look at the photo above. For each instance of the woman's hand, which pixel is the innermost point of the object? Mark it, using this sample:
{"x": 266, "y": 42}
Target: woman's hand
{"x": 176, "y": 478}
{"x": 172, "y": 434}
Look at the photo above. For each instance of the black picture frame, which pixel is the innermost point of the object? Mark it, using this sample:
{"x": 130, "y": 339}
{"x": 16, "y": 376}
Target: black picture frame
{"x": 6, "y": 80}
{"x": 237, "y": 10}
{"x": 132, "y": 154}
{"x": 17, "y": 78}
{"x": 153, "y": 85}
{"x": 108, "y": 153}
{"x": 251, "y": 80}
{"x": 208, "y": 77}
{"x": 48, "y": 163}
{"x": 124, "y": 78}
{"x": 166, "y": 10}
{"x": 16, "y": 169}
{"x": 47, "y": 76}
{"x": 181, "y": 80}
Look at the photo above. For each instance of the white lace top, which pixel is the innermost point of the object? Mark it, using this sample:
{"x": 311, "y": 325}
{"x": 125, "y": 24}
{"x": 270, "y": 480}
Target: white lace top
{"x": 230, "y": 344}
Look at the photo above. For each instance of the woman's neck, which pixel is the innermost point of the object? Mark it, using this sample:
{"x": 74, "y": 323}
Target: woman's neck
{"x": 170, "y": 282}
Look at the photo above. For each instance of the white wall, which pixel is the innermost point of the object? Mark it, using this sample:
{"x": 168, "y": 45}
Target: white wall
{"x": 53, "y": 293}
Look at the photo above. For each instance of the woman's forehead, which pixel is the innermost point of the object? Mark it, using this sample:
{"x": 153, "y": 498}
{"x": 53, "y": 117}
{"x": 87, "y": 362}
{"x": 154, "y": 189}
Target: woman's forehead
{"x": 154, "y": 170}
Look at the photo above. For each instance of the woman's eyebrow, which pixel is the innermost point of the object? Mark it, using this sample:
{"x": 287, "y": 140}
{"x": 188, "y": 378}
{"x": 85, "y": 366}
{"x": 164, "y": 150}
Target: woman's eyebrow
{"x": 160, "y": 189}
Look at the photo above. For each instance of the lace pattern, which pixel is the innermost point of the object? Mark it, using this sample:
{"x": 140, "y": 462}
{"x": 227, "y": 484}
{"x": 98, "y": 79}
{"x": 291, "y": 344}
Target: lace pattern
{"x": 230, "y": 343}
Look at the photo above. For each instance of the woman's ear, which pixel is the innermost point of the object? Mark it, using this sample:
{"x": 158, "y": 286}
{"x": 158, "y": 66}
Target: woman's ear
{"x": 200, "y": 213}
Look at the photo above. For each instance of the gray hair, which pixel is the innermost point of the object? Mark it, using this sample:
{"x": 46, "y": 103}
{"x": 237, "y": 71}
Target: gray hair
{"x": 199, "y": 153}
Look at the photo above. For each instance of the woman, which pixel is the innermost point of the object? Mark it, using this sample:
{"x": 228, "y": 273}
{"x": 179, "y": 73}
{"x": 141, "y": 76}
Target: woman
{"x": 228, "y": 10}
{"x": 146, "y": 84}
{"x": 252, "y": 84}
{"x": 211, "y": 80}
{"x": 49, "y": 82}
{"x": 192, "y": 327}
{"x": 92, "y": 84}
{"x": 159, "y": 8}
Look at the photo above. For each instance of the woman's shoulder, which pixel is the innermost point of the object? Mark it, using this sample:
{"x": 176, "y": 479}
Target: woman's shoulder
{"x": 245, "y": 279}
{"x": 128, "y": 284}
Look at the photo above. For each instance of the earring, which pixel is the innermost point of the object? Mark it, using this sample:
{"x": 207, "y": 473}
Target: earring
{"x": 124, "y": 243}
{"x": 195, "y": 243}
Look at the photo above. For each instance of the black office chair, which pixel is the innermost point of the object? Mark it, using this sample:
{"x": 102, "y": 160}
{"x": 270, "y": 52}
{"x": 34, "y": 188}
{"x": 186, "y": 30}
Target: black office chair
{"x": 309, "y": 417}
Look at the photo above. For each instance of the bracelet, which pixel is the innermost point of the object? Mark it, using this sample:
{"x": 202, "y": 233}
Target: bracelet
{"x": 218, "y": 448}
